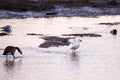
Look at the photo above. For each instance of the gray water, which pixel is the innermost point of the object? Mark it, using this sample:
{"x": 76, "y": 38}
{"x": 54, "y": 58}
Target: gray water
{"x": 98, "y": 58}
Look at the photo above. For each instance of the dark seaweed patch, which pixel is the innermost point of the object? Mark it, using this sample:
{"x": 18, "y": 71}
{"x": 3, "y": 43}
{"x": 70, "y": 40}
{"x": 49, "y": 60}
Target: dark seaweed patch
{"x": 34, "y": 34}
{"x": 83, "y": 35}
{"x": 53, "y": 41}
{"x": 3, "y": 34}
{"x": 115, "y": 23}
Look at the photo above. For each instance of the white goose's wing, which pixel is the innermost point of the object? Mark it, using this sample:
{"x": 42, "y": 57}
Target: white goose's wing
{"x": 74, "y": 43}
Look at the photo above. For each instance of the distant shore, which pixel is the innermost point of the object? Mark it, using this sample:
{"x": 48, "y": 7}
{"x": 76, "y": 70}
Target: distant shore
{"x": 63, "y": 9}
{"x": 49, "y": 5}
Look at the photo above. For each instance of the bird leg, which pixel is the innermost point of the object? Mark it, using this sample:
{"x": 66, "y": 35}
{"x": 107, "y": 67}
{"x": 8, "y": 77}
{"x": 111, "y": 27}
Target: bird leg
{"x": 73, "y": 52}
{"x": 6, "y": 57}
{"x": 13, "y": 56}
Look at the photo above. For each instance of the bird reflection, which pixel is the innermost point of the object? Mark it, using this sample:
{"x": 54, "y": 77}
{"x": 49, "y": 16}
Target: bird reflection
{"x": 74, "y": 57}
{"x": 74, "y": 62}
{"x": 11, "y": 64}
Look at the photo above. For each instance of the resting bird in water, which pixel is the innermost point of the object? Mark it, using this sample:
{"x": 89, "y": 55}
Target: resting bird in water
{"x": 74, "y": 44}
{"x": 114, "y": 32}
{"x": 7, "y": 28}
{"x": 10, "y": 50}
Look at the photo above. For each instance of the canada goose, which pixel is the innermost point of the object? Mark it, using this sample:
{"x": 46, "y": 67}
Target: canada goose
{"x": 10, "y": 50}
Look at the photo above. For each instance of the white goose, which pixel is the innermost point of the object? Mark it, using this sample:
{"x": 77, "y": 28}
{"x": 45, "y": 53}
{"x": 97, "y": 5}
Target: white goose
{"x": 74, "y": 44}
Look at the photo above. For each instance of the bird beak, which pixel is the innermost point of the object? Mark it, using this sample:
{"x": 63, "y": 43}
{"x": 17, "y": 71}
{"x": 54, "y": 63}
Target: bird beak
{"x": 21, "y": 53}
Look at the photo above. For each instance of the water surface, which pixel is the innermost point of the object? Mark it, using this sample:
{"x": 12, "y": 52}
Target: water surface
{"x": 97, "y": 58}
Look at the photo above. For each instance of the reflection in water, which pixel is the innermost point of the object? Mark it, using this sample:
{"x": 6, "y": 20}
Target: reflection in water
{"x": 9, "y": 64}
{"x": 11, "y": 68}
{"x": 74, "y": 60}
{"x": 74, "y": 57}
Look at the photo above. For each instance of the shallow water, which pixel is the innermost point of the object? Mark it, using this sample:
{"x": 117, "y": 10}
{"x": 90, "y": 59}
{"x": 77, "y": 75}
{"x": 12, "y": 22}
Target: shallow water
{"x": 97, "y": 58}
